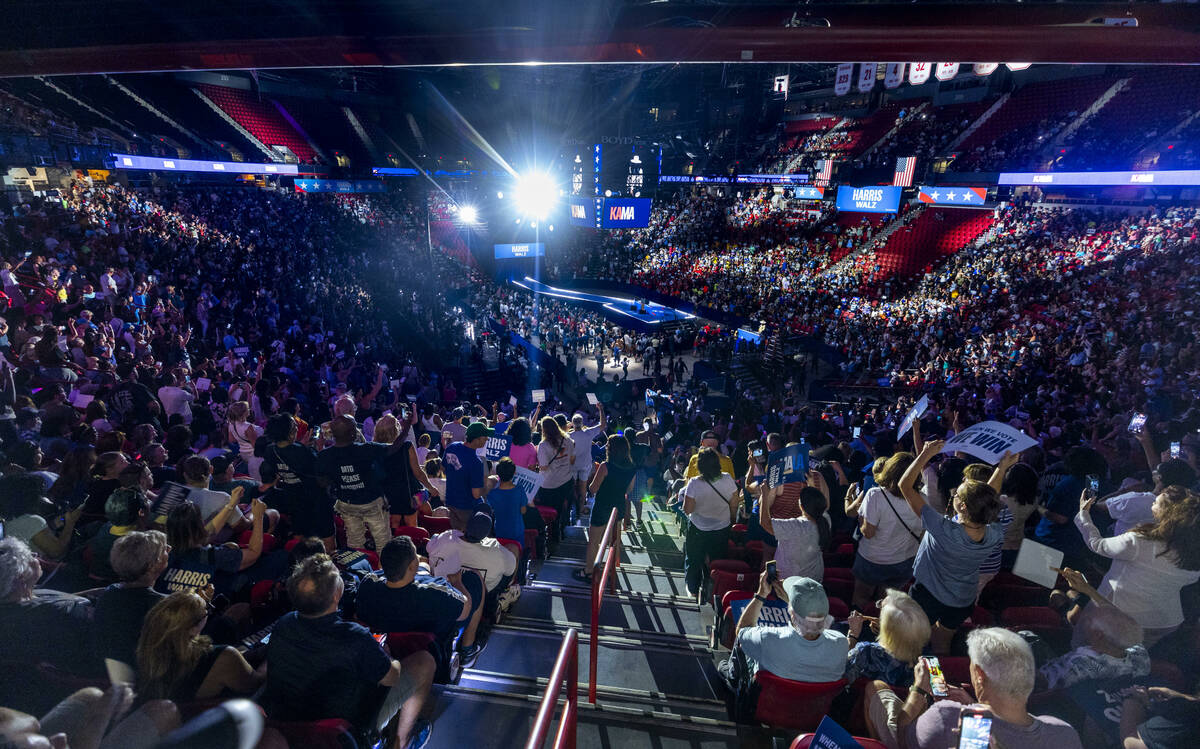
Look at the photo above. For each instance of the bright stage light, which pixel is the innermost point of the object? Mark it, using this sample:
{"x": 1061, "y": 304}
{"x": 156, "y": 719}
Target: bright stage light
{"x": 534, "y": 195}
{"x": 500, "y": 196}
{"x": 467, "y": 214}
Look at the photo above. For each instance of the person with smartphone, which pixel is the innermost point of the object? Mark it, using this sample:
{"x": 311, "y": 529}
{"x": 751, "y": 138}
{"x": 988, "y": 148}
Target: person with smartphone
{"x": 1133, "y": 508}
{"x": 1002, "y": 674}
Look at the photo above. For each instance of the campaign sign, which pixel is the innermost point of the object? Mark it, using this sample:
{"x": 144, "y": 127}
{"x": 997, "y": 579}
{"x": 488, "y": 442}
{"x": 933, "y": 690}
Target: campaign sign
{"x": 874, "y": 199}
{"x": 583, "y": 211}
{"x": 830, "y": 735}
{"x": 529, "y": 481}
{"x": 340, "y": 185}
{"x": 789, "y": 465}
{"x": 591, "y": 397}
{"x": 952, "y": 195}
{"x": 989, "y": 440}
{"x": 650, "y": 395}
{"x": 772, "y": 614}
{"x": 539, "y": 396}
{"x": 507, "y": 251}
{"x": 914, "y": 413}
{"x": 625, "y": 213}
{"x": 497, "y": 446}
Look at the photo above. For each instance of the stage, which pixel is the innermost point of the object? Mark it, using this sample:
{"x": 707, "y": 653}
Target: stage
{"x": 617, "y": 308}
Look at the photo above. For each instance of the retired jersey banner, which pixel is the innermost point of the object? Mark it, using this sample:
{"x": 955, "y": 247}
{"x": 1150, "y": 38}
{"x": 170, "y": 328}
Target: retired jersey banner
{"x": 876, "y": 199}
{"x": 893, "y": 75}
{"x": 866, "y": 76}
{"x": 946, "y": 71}
{"x": 989, "y": 440}
{"x": 952, "y": 195}
{"x": 918, "y": 72}
{"x": 841, "y": 83}
{"x": 985, "y": 68}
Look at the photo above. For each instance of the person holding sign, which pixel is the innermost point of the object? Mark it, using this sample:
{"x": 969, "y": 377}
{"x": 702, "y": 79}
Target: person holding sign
{"x": 950, "y": 554}
{"x": 710, "y": 501}
{"x": 611, "y": 486}
{"x": 556, "y": 459}
{"x": 891, "y": 533}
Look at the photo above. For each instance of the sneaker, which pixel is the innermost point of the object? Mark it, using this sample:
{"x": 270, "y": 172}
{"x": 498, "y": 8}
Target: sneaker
{"x": 509, "y": 596}
{"x": 420, "y": 735}
{"x": 470, "y": 653}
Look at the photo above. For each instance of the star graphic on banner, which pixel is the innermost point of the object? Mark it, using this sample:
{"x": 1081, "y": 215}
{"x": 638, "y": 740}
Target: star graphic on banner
{"x": 950, "y": 196}
{"x": 935, "y": 195}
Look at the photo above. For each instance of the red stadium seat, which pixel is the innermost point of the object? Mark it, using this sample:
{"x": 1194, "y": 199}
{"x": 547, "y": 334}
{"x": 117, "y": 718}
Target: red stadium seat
{"x": 956, "y": 669}
{"x": 794, "y": 705}
{"x": 729, "y": 565}
{"x": 403, "y": 644}
{"x": 434, "y": 524}
{"x": 332, "y": 733}
{"x": 372, "y": 557}
{"x": 1043, "y": 621}
{"x": 724, "y": 581}
{"x": 838, "y": 608}
{"x": 269, "y": 541}
{"x": 419, "y": 536}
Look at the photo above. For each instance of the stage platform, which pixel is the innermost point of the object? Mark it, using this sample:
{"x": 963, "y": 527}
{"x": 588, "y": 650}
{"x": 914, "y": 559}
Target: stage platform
{"x": 616, "y": 306}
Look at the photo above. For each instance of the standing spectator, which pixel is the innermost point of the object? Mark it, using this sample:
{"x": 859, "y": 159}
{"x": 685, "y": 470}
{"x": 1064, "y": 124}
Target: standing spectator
{"x": 710, "y": 501}
{"x": 556, "y": 459}
{"x": 611, "y": 486}
{"x": 348, "y": 469}
{"x": 466, "y": 484}
{"x": 891, "y": 533}
{"x": 138, "y": 558}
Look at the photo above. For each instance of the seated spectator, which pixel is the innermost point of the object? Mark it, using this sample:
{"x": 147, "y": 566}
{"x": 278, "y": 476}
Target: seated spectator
{"x": 137, "y": 558}
{"x": 127, "y": 510}
{"x": 404, "y": 599}
{"x": 320, "y": 666}
{"x": 176, "y": 662}
{"x": 27, "y": 515}
{"x": 222, "y": 516}
{"x": 222, "y": 479}
{"x": 92, "y": 719}
{"x": 195, "y": 563}
{"x": 105, "y": 480}
{"x": 1106, "y": 644}
{"x": 807, "y": 650}
{"x": 1002, "y": 677}
{"x": 37, "y": 625}
{"x": 901, "y": 632}
{"x": 474, "y": 549}
{"x": 1159, "y": 718}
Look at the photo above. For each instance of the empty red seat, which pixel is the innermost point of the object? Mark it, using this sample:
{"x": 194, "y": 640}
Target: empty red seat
{"x": 403, "y": 644}
{"x": 724, "y": 581}
{"x": 434, "y": 524}
{"x": 729, "y": 565}
{"x": 419, "y": 536}
{"x": 794, "y": 705}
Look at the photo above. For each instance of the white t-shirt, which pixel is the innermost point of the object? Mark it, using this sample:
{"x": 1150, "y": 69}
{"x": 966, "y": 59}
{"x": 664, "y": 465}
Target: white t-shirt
{"x": 799, "y": 550}
{"x": 557, "y": 467}
{"x": 891, "y": 544}
{"x": 711, "y": 512}
{"x": 1130, "y": 510}
{"x": 583, "y": 445}
{"x": 176, "y": 401}
{"x": 210, "y": 503}
{"x": 25, "y": 527}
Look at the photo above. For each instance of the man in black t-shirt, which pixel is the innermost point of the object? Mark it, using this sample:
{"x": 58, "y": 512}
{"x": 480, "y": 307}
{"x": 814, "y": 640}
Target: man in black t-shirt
{"x": 292, "y": 470}
{"x": 348, "y": 469}
{"x": 319, "y": 666}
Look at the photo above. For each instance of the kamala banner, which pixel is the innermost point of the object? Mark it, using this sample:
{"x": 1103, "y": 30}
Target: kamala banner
{"x": 533, "y": 249}
{"x": 339, "y": 185}
{"x": 789, "y": 465}
{"x": 1175, "y": 178}
{"x": 989, "y": 440}
{"x": 952, "y": 195}
{"x": 583, "y": 211}
{"x": 877, "y": 199}
{"x": 625, "y": 213}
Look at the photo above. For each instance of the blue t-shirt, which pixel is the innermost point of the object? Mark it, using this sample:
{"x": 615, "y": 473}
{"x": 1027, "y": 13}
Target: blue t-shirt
{"x": 464, "y": 472}
{"x": 1063, "y": 500}
{"x": 507, "y": 504}
{"x": 948, "y": 561}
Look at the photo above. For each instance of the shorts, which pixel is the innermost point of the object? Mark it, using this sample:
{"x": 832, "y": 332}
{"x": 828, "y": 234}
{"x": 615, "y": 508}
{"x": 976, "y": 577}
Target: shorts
{"x": 949, "y": 617}
{"x": 394, "y": 698}
{"x": 884, "y": 708}
{"x": 583, "y": 472}
{"x": 892, "y": 575}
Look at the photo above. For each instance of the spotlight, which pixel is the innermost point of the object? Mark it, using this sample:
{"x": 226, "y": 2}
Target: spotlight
{"x": 500, "y": 196}
{"x": 535, "y": 195}
{"x": 550, "y": 227}
{"x": 467, "y": 214}
{"x": 608, "y": 193}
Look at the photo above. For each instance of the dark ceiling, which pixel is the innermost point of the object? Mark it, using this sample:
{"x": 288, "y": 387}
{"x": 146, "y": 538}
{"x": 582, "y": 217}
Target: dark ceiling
{"x": 85, "y": 36}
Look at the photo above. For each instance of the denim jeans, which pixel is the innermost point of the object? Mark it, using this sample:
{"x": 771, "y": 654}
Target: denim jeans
{"x": 699, "y": 548}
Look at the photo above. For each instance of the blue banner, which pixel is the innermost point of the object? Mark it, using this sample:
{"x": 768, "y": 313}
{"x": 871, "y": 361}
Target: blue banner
{"x": 339, "y": 185}
{"x": 497, "y": 446}
{"x": 395, "y": 171}
{"x": 774, "y": 613}
{"x": 156, "y": 163}
{"x": 583, "y": 211}
{"x": 809, "y": 193}
{"x": 876, "y": 199}
{"x": 533, "y": 249}
{"x": 952, "y": 195}
{"x": 788, "y": 466}
{"x": 1177, "y": 177}
{"x": 830, "y": 735}
{"x": 625, "y": 213}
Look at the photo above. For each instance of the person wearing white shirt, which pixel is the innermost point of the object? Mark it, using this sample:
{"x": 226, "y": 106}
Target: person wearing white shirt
{"x": 710, "y": 501}
{"x": 175, "y": 399}
{"x": 1131, "y": 509}
{"x": 583, "y": 438}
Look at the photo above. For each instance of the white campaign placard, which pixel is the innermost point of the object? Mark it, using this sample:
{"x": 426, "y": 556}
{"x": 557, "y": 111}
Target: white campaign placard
{"x": 203, "y": 383}
{"x": 989, "y": 440}
{"x": 593, "y": 399}
{"x": 539, "y": 396}
{"x": 529, "y": 481}
{"x": 1036, "y": 563}
{"x": 913, "y": 414}
{"x": 512, "y": 401}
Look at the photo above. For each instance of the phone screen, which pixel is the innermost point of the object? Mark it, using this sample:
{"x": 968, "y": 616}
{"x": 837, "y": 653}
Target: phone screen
{"x": 1094, "y": 483}
{"x": 1137, "y": 423}
{"x": 857, "y": 432}
{"x": 772, "y": 571}
{"x": 976, "y": 731}
{"x": 1174, "y": 449}
{"x": 937, "y": 680}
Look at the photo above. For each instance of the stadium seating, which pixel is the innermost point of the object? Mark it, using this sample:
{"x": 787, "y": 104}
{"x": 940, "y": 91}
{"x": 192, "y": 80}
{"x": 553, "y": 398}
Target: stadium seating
{"x": 935, "y": 234}
{"x": 794, "y": 705}
{"x": 261, "y": 118}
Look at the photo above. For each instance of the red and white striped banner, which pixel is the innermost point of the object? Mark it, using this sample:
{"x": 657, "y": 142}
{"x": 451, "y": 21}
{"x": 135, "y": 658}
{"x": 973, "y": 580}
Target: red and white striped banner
{"x": 866, "y": 76}
{"x": 824, "y": 172}
{"x": 918, "y": 72}
{"x": 905, "y": 167}
{"x": 841, "y": 83}
{"x": 946, "y": 71}
{"x": 985, "y": 68}
{"x": 893, "y": 75}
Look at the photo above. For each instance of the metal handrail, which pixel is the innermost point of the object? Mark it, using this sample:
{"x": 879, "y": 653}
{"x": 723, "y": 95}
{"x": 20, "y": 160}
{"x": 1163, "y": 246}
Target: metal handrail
{"x": 568, "y": 662}
{"x": 608, "y": 558}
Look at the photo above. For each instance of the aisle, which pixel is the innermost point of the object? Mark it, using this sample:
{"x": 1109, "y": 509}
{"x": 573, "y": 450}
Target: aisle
{"x": 657, "y": 684}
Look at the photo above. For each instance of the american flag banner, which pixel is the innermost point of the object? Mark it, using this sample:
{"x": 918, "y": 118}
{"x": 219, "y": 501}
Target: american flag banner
{"x": 824, "y": 172}
{"x": 905, "y": 167}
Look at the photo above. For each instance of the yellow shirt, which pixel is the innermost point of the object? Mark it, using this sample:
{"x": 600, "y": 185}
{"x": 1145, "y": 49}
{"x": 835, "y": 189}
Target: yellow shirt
{"x": 692, "y": 471}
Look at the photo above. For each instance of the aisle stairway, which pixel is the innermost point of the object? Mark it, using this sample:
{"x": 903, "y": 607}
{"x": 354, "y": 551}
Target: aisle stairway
{"x": 657, "y": 683}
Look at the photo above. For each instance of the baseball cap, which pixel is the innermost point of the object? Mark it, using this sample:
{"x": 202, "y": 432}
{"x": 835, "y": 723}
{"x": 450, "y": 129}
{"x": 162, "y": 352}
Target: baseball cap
{"x": 806, "y": 597}
{"x": 479, "y": 527}
{"x": 477, "y": 430}
{"x": 709, "y": 435}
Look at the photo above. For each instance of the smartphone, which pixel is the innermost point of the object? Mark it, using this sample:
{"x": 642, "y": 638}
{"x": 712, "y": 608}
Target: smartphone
{"x": 1094, "y": 484}
{"x": 1174, "y": 450}
{"x": 857, "y": 432}
{"x": 1137, "y": 423}
{"x": 772, "y": 572}
{"x": 974, "y": 729}
{"x": 937, "y": 680}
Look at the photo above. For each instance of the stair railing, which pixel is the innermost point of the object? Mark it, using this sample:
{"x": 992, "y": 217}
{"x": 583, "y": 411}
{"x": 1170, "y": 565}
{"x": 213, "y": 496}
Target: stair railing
{"x": 608, "y": 557}
{"x": 565, "y": 665}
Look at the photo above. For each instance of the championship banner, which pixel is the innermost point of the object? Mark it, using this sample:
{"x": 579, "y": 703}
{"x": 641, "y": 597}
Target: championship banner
{"x": 918, "y": 72}
{"x": 946, "y": 71}
{"x": 877, "y": 199}
{"x": 989, "y": 440}
{"x": 841, "y": 83}
{"x": 788, "y": 466}
{"x": 529, "y": 481}
{"x": 498, "y": 446}
{"x": 985, "y": 68}
{"x": 952, "y": 195}
{"x": 808, "y": 193}
{"x": 866, "y": 76}
{"x": 340, "y": 185}
{"x": 893, "y": 75}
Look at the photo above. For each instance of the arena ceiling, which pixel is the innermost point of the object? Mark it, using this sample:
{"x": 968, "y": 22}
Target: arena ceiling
{"x": 54, "y": 37}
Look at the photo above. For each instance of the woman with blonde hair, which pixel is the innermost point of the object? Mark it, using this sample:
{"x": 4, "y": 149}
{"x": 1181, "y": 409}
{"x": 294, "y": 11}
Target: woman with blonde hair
{"x": 239, "y": 431}
{"x": 902, "y": 631}
{"x": 891, "y": 533}
{"x": 556, "y": 459}
{"x": 404, "y": 476}
{"x": 176, "y": 662}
